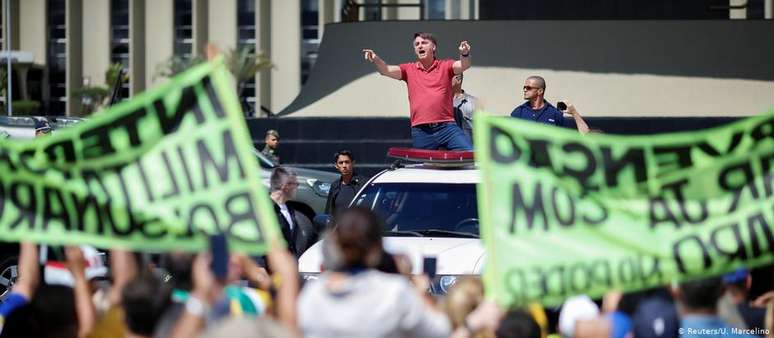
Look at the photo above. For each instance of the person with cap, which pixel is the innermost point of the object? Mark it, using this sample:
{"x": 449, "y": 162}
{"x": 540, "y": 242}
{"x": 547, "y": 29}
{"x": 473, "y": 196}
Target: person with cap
{"x": 574, "y": 310}
{"x": 272, "y": 143}
{"x": 734, "y": 307}
{"x": 42, "y": 127}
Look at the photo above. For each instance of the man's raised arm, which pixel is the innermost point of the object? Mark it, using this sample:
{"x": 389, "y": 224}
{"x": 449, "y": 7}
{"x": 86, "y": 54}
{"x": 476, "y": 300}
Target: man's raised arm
{"x": 463, "y": 63}
{"x": 382, "y": 67}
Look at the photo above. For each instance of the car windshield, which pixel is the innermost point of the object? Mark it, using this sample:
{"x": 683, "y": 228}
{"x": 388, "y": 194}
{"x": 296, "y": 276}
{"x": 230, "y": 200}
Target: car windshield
{"x": 424, "y": 209}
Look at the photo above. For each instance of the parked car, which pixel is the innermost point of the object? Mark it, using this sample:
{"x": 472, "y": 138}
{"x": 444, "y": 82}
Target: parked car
{"x": 429, "y": 210}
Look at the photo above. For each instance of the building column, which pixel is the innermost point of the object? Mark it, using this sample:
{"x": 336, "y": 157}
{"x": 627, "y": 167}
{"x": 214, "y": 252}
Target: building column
{"x": 222, "y": 24}
{"x": 263, "y": 46}
{"x": 737, "y": 13}
{"x": 285, "y": 52}
{"x": 327, "y": 9}
{"x": 159, "y": 37}
{"x": 200, "y": 24}
{"x": 74, "y": 34}
{"x": 136, "y": 46}
{"x": 15, "y": 18}
{"x": 467, "y": 12}
{"x": 768, "y": 9}
{"x": 96, "y": 41}
{"x": 33, "y": 36}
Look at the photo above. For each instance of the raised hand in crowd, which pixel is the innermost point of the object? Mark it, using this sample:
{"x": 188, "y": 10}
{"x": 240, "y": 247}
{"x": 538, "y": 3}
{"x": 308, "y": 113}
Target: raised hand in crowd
{"x": 84, "y": 305}
{"x": 486, "y": 317}
{"x": 381, "y": 66}
{"x": 583, "y": 128}
{"x": 285, "y": 266}
{"x": 123, "y": 267}
{"x": 29, "y": 271}
{"x": 253, "y": 272}
{"x": 200, "y": 299}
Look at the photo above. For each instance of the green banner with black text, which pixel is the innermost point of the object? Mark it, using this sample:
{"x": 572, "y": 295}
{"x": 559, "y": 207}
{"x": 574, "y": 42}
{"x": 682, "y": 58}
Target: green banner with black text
{"x": 565, "y": 214}
{"x": 158, "y": 172}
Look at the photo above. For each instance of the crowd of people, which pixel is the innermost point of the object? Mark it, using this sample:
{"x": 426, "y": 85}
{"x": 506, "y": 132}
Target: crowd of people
{"x": 363, "y": 291}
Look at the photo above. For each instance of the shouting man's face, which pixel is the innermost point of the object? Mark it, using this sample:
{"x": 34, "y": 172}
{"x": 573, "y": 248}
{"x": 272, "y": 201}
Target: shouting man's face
{"x": 424, "y": 48}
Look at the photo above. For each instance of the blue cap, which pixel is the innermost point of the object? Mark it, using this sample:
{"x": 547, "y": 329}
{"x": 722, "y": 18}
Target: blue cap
{"x": 42, "y": 125}
{"x": 655, "y": 318}
{"x": 739, "y": 275}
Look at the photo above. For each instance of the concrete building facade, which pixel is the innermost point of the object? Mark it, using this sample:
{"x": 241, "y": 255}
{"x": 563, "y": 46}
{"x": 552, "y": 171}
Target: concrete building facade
{"x": 75, "y": 41}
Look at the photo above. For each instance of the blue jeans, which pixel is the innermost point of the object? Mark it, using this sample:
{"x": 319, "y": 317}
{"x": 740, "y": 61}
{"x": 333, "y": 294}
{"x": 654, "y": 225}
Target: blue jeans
{"x": 435, "y": 135}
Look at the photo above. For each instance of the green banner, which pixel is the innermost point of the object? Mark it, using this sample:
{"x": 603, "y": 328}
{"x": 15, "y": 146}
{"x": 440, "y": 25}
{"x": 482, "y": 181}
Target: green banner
{"x": 565, "y": 214}
{"x": 157, "y": 172}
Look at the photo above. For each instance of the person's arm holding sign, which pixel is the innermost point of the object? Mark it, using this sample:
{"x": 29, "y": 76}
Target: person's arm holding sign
{"x": 464, "y": 62}
{"x": 84, "y": 307}
{"x": 381, "y": 66}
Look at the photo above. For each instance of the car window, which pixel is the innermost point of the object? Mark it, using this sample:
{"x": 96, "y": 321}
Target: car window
{"x": 423, "y": 206}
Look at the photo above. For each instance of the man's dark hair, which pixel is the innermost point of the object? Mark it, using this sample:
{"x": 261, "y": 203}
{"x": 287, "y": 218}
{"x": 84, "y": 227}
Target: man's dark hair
{"x": 426, "y": 36}
{"x": 145, "y": 298}
{"x": 518, "y": 324}
{"x": 343, "y": 153}
{"x": 356, "y": 231}
{"x": 701, "y": 294}
{"x": 279, "y": 177}
{"x": 541, "y": 81}
{"x": 50, "y": 314}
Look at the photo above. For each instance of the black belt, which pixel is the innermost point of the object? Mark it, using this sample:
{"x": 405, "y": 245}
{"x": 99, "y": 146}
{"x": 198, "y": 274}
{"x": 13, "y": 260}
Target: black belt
{"x": 431, "y": 125}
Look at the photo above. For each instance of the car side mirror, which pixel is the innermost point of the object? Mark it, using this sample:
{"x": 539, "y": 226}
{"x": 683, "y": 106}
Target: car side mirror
{"x": 322, "y": 221}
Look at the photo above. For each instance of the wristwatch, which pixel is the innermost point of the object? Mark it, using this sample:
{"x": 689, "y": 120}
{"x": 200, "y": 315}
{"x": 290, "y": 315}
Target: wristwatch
{"x": 195, "y": 307}
{"x": 465, "y": 55}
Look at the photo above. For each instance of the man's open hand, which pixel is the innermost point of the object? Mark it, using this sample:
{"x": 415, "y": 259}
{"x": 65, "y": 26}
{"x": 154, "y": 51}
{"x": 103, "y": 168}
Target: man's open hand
{"x": 464, "y": 48}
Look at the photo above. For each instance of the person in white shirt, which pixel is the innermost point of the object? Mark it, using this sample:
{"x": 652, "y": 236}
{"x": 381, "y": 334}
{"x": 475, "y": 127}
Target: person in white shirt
{"x": 353, "y": 299}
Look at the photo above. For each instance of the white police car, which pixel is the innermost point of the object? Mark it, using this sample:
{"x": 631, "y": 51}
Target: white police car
{"x": 429, "y": 209}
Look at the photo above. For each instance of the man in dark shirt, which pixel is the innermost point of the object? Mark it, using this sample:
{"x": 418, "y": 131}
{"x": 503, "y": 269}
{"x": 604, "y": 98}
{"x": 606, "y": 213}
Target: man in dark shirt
{"x": 344, "y": 189}
{"x": 539, "y": 110}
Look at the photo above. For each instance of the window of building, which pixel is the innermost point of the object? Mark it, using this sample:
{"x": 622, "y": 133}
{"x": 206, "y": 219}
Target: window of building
{"x": 57, "y": 58}
{"x": 246, "y": 39}
{"x": 119, "y": 40}
{"x": 310, "y": 42}
{"x": 435, "y": 9}
{"x": 183, "y": 28}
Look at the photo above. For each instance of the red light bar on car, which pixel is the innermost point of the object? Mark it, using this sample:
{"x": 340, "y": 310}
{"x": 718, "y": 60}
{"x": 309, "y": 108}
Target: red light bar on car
{"x": 431, "y": 156}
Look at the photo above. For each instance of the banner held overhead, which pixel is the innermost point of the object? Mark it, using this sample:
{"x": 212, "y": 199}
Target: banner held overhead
{"x": 157, "y": 172}
{"x": 565, "y": 214}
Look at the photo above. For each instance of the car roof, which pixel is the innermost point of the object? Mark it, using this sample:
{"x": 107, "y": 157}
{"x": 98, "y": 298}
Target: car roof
{"x": 429, "y": 174}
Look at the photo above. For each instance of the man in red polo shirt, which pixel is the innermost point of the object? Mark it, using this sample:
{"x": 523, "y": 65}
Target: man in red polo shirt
{"x": 430, "y": 93}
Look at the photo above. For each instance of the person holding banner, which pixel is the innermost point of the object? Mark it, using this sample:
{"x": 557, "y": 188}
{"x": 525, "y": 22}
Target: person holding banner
{"x": 429, "y": 92}
{"x": 539, "y": 110}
